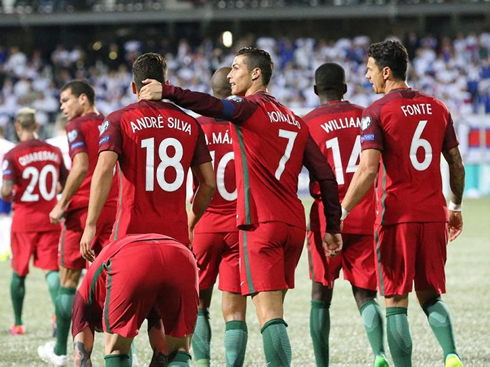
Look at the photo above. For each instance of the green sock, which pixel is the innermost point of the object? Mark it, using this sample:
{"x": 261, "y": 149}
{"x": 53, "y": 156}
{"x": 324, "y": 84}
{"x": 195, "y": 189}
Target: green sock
{"x": 276, "y": 343}
{"x": 64, "y": 308}
{"x": 399, "y": 338}
{"x": 116, "y": 360}
{"x": 53, "y": 280}
{"x": 320, "y": 331}
{"x": 201, "y": 340}
{"x": 236, "y": 336}
{"x": 17, "y": 293}
{"x": 180, "y": 359}
{"x": 373, "y": 323}
{"x": 439, "y": 318}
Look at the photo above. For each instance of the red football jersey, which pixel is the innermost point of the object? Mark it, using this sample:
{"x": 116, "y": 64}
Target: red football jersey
{"x": 221, "y": 213}
{"x": 83, "y": 137}
{"x": 157, "y": 143}
{"x": 35, "y": 167}
{"x": 335, "y": 127}
{"x": 411, "y": 130}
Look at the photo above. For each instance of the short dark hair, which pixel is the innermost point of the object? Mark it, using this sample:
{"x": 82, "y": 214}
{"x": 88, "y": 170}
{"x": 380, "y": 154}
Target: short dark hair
{"x": 391, "y": 54}
{"x": 79, "y": 87}
{"x": 149, "y": 66}
{"x": 330, "y": 76}
{"x": 258, "y": 59}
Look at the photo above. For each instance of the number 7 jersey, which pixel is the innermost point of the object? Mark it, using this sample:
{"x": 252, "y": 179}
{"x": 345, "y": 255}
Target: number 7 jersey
{"x": 157, "y": 143}
{"x": 411, "y": 130}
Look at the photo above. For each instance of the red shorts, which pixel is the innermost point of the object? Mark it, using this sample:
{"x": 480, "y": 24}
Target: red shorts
{"x": 42, "y": 245}
{"x": 356, "y": 261}
{"x": 141, "y": 279}
{"x": 218, "y": 253}
{"x": 409, "y": 253}
{"x": 269, "y": 255}
{"x": 71, "y": 234}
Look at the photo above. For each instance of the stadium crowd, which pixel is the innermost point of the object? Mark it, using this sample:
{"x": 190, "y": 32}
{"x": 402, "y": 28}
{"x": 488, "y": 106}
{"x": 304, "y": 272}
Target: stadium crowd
{"x": 455, "y": 70}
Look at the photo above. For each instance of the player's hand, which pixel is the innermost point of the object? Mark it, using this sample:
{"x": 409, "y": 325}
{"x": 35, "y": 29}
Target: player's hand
{"x": 332, "y": 243}
{"x": 455, "y": 224}
{"x": 152, "y": 90}
{"x": 86, "y": 243}
{"x": 57, "y": 214}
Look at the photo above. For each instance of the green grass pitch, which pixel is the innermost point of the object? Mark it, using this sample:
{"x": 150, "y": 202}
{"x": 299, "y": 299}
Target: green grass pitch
{"x": 468, "y": 274}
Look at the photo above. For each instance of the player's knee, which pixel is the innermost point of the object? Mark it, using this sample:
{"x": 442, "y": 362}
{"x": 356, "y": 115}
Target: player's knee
{"x": 321, "y": 293}
{"x": 362, "y": 295}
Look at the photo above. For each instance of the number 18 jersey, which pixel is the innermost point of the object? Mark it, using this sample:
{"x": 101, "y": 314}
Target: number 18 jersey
{"x": 157, "y": 143}
{"x": 411, "y": 130}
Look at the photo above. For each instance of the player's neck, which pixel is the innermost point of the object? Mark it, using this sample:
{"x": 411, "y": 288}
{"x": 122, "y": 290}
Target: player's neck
{"x": 90, "y": 109}
{"x": 255, "y": 88}
{"x": 27, "y": 135}
{"x": 324, "y": 99}
{"x": 395, "y": 84}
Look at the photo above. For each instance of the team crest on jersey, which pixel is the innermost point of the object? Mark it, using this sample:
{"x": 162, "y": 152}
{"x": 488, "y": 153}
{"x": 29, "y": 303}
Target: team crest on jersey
{"x": 103, "y": 128}
{"x": 5, "y": 165}
{"x": 72, "y": 135}
{"x": 365, "y": 122}
{"x": 235, "y": 99}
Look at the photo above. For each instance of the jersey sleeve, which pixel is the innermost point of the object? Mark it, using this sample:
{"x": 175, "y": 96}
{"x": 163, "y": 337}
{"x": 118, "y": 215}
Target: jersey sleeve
{"x": 9, "y": 171}
{"x": 321, "y": 172}
{"x": 76, "y": 140}
{"x": 371, "y": 130}
{"x": 450, "y": 138}
{"x": 235, "y": 109}
{"x": 110, "y": 134}
{"x": 201, "y": 153}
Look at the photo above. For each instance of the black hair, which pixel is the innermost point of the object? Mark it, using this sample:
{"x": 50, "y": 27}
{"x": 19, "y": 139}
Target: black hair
{"x": 79, "y": 87}
{"x": 258, "y": 59}
{"x": 391, "y": 54}
{"x": 149, "y": 66}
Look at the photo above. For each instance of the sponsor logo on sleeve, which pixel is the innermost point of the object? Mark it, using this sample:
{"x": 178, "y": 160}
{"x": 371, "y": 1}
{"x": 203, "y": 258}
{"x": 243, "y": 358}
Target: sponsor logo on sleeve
{"x": 235, "y": 99}
{"x": 77, "y": 144}
{"x": 72, "y": 135}
{"x": 5, "y": 165}
{"x": 365, "y": 122}
{"x": 103, "y": 128}
{"x": 367, "y": 137}
{"x": 103, "y": 140}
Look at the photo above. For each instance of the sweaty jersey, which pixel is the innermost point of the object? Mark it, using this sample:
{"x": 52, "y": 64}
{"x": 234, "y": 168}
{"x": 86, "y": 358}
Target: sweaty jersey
{"x": 35, "y": 167}
{"x": 335, "y": 127}
{"x": 220, "y": 216}
{"x": 157, "y": 143}
{"x": 271, "y": 145}
{"x": 411, "y": 130}
{"x": 83, "y": 137}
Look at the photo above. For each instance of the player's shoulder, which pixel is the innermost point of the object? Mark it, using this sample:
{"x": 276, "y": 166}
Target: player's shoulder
{"x": 433, "y": 100}
{"x": 77, "y": 122}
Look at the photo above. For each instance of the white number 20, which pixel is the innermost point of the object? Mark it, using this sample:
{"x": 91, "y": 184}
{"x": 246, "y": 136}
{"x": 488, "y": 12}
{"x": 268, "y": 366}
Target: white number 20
{"x": 39, "y": 178}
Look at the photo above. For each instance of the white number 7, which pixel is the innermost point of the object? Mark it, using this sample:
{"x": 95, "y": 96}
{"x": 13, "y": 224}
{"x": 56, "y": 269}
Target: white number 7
{"x": 291, "y": 136}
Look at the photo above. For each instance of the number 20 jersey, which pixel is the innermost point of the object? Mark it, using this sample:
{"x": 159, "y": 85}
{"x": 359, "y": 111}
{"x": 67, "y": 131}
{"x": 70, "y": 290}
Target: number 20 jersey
{"x": 411, "y": 130}
{"x": 157, "y": 143}
{"x": 35, "y": 167}
{"x": 335, "y": 127}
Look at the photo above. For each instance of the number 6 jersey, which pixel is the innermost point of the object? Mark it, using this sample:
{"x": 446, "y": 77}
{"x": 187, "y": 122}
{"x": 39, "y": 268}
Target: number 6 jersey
{"x": 35, "y": 168}
{"x": 157, "y": 143}
{"x": 411, "y": 130}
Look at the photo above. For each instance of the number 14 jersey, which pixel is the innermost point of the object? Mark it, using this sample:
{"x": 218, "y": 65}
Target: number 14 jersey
{"x": 157, "y": 143}
{"x": 411, "y": 129}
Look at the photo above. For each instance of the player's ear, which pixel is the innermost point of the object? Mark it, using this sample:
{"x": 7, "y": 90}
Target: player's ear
{"x": 345, "y": 89}
{"x": 256, "y": 73}
{"x": 315, "y": 89}
{"x": 133, "y": 88}
{"x": 386, "y": 72}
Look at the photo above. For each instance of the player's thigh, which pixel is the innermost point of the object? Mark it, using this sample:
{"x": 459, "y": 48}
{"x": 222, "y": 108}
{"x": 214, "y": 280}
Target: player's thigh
{"x": 46, "y": 250}
{"x": 293, "y": 247}
{"x": 229, "y": 269}
{"x": 317, "y": 259}
{"x": 105, "y": 225}
{"x": 431, "y": 257}
{"x": 358, "y": 260}
{"x": 396, "y": 247}
{"x": 208, "y": 248}
{"x": 22, "y": 245}
{"x": 71, "y": 234}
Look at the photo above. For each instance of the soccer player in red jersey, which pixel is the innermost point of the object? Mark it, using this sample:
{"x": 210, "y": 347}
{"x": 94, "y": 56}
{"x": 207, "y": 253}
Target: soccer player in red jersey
{"x": 31, "y": 174}
{"x": 156, "y": 143}
{"x": 271, "y": 145}
{"x": 215, "y": 243}
{"x": 403, "y": 134}
{"x": 77, "y": 103}
{"x": 118, "y": 293}
{"x": 335, "y": 127}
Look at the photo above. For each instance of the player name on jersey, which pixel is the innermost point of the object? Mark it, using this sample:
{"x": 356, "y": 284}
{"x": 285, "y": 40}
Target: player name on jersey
{"x": 148, "y": 122}
{"x": 219, "y": 138}
{"x": 341, "y": 123}
{"x": 417, "y": 109}
{"x": 278, "y": 116}
{"x": 39, "y": 157}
